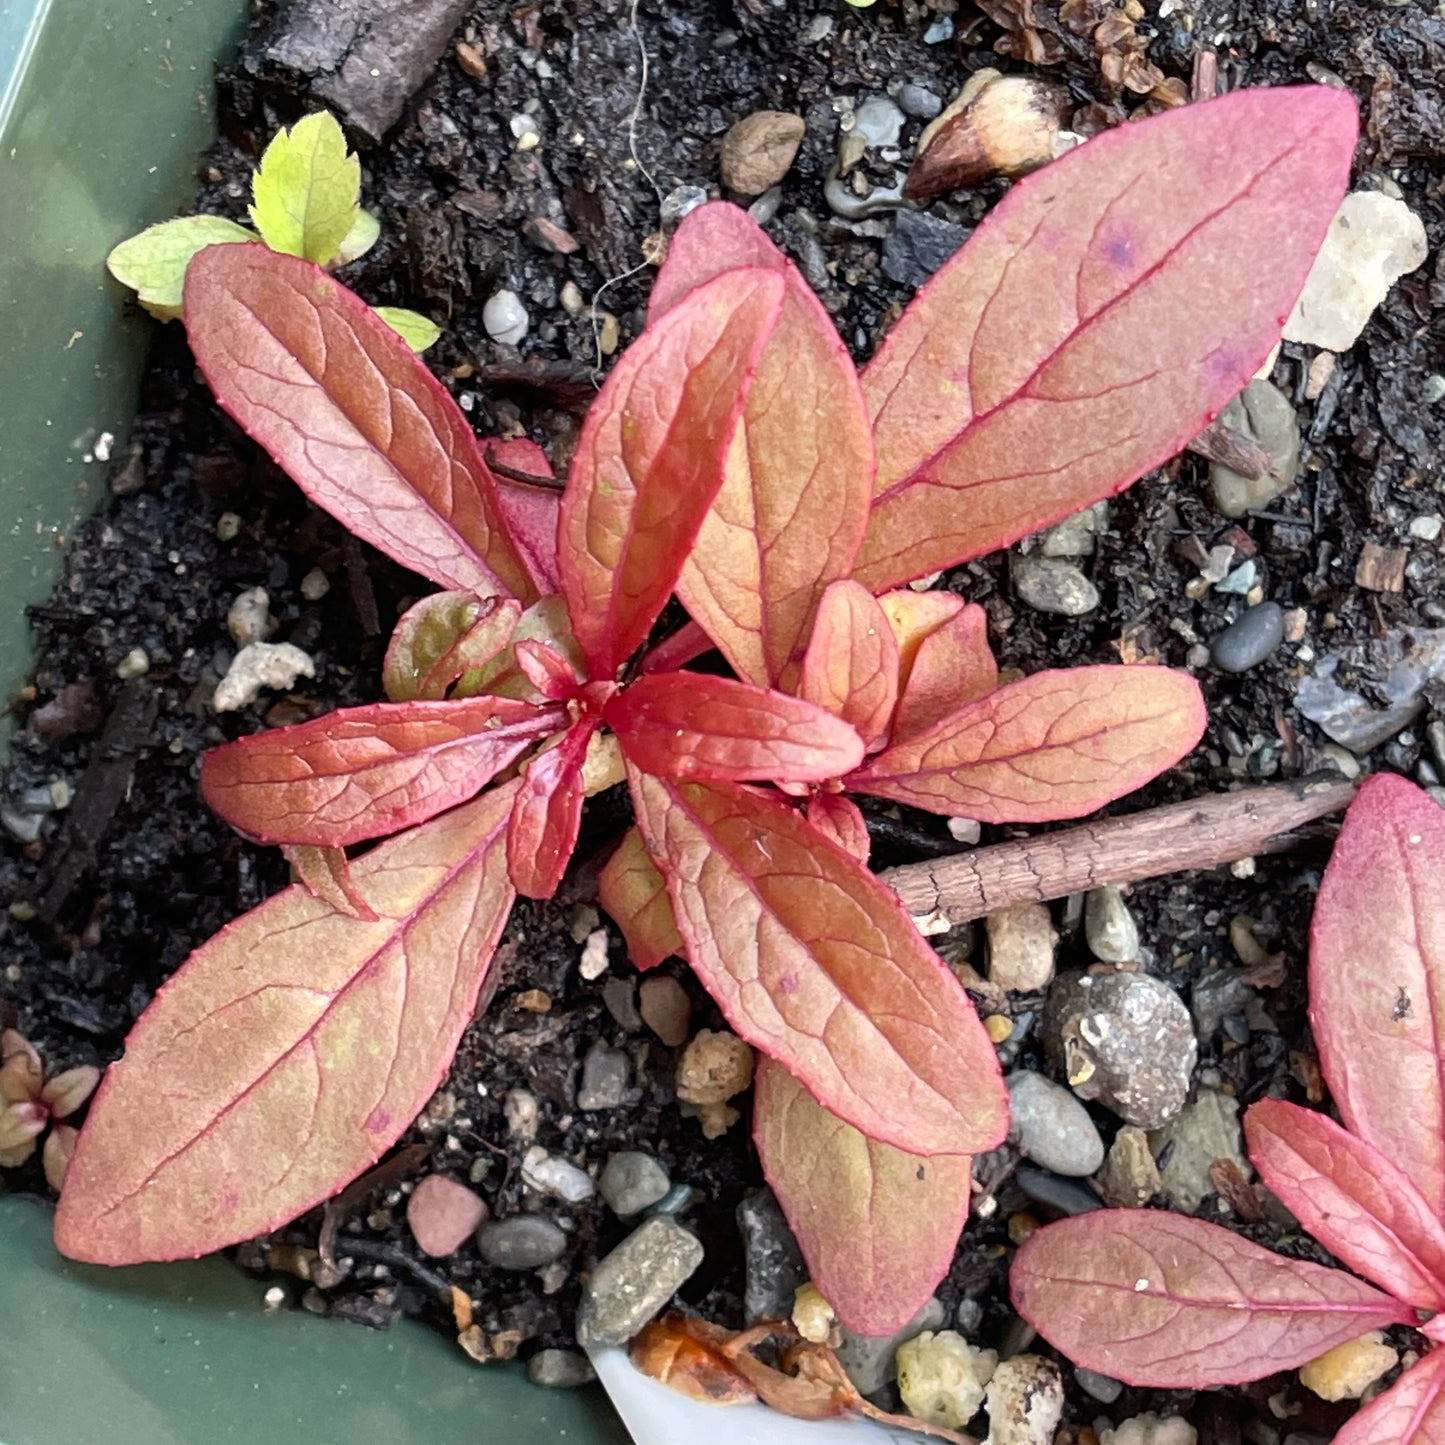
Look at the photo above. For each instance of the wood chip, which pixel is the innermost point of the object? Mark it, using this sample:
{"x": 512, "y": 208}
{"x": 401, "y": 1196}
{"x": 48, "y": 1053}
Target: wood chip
{"x": 1381, "y": 569}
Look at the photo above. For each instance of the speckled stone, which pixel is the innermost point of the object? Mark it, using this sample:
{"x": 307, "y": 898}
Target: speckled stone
{"x": 636, "y": 1280}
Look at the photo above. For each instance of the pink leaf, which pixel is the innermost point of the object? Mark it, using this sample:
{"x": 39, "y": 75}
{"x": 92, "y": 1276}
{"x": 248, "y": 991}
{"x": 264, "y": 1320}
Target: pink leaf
{"x": 251, "y": 1090}
{"x": 1055, "y": 745}
{"x": 325, "y": 873}
{"x": 553, "y": 675}
{"x": 545, "y": 821}
{"x": 1100, "y": 315}
{"x": 1410, "y": 1412}
{"x": 364, "y": 772}
{"x": 1377, "y": 977}
{"x": 815, "y": 963}
{"x": 443, "y": 637}
{"x": 952, "y": 666}
{"x": 674, "y": 653}
{"x": 791, "y": 514}
{"x": 347, "y": 408}
{"x": 689, "y": 725}
{"x": 651, "y": 458}
{"x": 1361, "y": 1206}
{"x": 877, "y": 1226}
{"x": 530, "y": 512}
{"x": 851, "y": 665}
{"x": 838, "y": 819}
{"x": 1162, "y": 1300}
{"x": 634, "y": 895}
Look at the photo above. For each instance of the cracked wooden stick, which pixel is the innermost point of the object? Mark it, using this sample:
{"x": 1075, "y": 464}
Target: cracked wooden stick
{"x": 1207, "y": 832}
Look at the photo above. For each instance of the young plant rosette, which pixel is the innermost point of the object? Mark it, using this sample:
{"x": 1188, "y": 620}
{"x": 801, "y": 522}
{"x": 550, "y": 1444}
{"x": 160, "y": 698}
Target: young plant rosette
{"x": 1101, "y": 315}
{"x": 1164, "y": 1300}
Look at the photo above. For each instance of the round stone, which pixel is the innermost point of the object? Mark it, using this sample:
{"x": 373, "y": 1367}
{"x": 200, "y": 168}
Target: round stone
{"x": 1051, "y": 1127}
{"x": 505, "y": 318}
{"x": 1249, "y": 639}
{"x": 526, "y": 1241}
{"x": 631, "y": 1181}
{"x": 1050, "y": 585}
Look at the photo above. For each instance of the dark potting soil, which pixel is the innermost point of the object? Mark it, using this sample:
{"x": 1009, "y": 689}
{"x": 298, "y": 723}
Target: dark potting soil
{"x": 107, "y": 897}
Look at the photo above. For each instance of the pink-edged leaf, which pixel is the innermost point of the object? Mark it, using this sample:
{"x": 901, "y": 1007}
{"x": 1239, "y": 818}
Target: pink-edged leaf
{"x": 1055, "y": 745}
{"x": 651, "y": 459}
{"x": 952, "y": 666}
{"x": 290, "y": 1051}
{"x": 530, "y": 512}
{"x": 877, "y": 1226}
{"x": 547, "y": 815}
{"x": 325, "y": 873}
{"x": 553, "y": 675}
{"x": 364, "y": 772}
{"x": 914, "y": 616}
{"x": 545, "y": 622}
{"x": 55, "y": 1156}
{"x": 634, "y": 895}
{"x": 791, "y": 514}
{"x": 1360, "y": 1205}
{"x": 1377, "y": 977}
{"x": 1410, "y": 1412}
{"x": 441, "y": 638}
{"x": 67, "y": 1091}
{"x": 815, "y": 962}
{"x": 689, "y": 725}
{"x": 674, "y": 653}
{"x": 851, "y": 664}
{"x": 837, "y": 818}
{"x": 1162, "y": 1300}
{"x": 349, "y": 410}
{"x": 1100, "y": 315}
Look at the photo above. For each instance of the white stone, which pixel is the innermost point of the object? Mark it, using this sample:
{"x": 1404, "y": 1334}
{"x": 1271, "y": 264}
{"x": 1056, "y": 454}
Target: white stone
{"x": 1025, "y": 1401}
{"x": 547, "y": 1174}
{"x": 1151, "y": 1429}
{"x": 505, "y": 318}
{"x": 594, "y": 955}
{"x": 941, "y": 1378}
{"x": 1372, "y": 242}
{"x": 249, "y": 616}
{"x": 260, "y": 665}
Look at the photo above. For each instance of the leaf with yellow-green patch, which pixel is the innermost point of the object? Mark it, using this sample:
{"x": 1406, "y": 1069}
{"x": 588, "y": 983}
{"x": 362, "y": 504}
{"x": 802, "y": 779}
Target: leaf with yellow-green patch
{"x": 307, "y": 193}
{"x": 153, "y": 263}
{"x": 360, "y": 238}
{"x": 416, "y": 330}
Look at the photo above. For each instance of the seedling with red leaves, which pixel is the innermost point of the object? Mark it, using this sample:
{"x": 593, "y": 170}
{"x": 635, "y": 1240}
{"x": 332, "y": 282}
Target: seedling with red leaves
{"x": 1165, "y": 1300}
{"x": 29, "y": 1102}
{"x": 1101, "y": 314}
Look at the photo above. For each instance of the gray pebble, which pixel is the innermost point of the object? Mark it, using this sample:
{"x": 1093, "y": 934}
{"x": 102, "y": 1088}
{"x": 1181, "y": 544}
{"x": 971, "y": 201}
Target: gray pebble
{"x": 1068, "y": 1196}
{"x": 606, "y": 1073}
{"x": 636, "y": 1280}
{"x": 936, "y": 34}
{"x": 1076, "y": 535}
{"x": 1103, "y": 1388}
{"x": 1125, "y": 1039}
{"x": 1208, "y": 1129}
{"x": 1048, "y": 584}
{"x": 918, "y": 245}
{"x": 631, "y": 1181}
{"x": 1051, "y": 1127}
{"x": 560, "y": 1369}
{"x": 919, "y": 102}
{"x": 878, "y": 121}
{"x": 526, "y": 1241}
{"x": 1109, "y": 927}
{"x": 549, "y": 1174}
{"x": 1249, "y": 639}
{"x": 1263, "y": 413}
{"x": 620, "y": 996}
{"x": 1216, "y": 993}
{"x": 1130, "y": 1177}
{"x": 680, "y": 201}
{"x": 869, "y": 1360}
{"x": 774, "y": 1263}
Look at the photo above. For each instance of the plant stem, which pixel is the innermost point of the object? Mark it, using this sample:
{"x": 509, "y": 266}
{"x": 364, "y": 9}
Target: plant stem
{"x": 1207, "y": 832}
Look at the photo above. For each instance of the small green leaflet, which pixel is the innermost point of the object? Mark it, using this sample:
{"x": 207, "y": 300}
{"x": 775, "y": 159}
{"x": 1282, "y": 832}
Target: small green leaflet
{"x": 416, "y": 330}
{"x": 360, "y": 238}
{"x": 307, "y": 192}
{"x": 153, "y": 264}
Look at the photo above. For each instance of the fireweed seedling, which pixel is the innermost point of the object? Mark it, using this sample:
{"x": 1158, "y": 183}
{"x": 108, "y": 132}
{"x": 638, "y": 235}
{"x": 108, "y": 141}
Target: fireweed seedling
{"x": 29, "y": 1103}
{"x": 1165, "y": 1300}
{"x": 1104, "y": 311}
{"x": 305, "y": 201}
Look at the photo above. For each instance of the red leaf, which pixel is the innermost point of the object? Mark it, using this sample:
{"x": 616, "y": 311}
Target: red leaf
{"x": 364, "y": 772}
{"x": 545, "y": 821}
{"x": 650, "y": 460}
{"x": 952, "y": 666}
{"x": 530, "y": 513}
{"x": 690, "y": 725}
{"x": 1162, "y": 1300}
{"x": 814, "y": 962}
{"x": 1054, "y": 745}
{"x": 253, "y": 1088}
{"x": 1410, "y": 1412}
{"x": 674, "y": 653}
{"x": 1377, "y": 977}
{"x": 441, "y": 638}
{"x": 877, "y": 1226}
{"x": 837, "y": 818}
{"x": 634, "y": 895}
{"x": 791, "y": 514}
{"x": 553, "y": 675}
{"x": 1100, "y": 315}
{"x": 325, "y": 873}
{"x": 545, "y": 622}
{"x": 346, "y": 407}
{"x": 1358, "y": 1204}
{"x": 851, "y": 665}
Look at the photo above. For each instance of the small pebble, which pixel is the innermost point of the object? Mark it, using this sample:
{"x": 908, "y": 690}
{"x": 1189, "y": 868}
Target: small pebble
{"x": 1103, "y": 1388}
{"x": 505, "y": 318}
{"x": 1076, "y": 535}
{"x": 1130, "y": 1177}
{"x": 758, "y": 150}
{"x": 315, "y": 585}
{"x": 1249, "y": 639}
{"x": 560, "y": 1369}
{"x": 941, "y": 1378}
{"x": 594, "y": 955}
{"x": 1264, "y": 414}
{"x": 680, "y": 1197}
{"x": 678, "y": 202}
{"x": 249, "y": 617}
{"x": 918, "y": 245}
{"x": 1048, "y": 584}
{"x": 630, "y": 1285}
{"x": 1151, "y": 1429}
{"x": 772, "y": 1261}
{"x": 522, "y": 1112}
{"x": 1432, "y": 389}
{"x": 919, "y": 102}
{"x": 1021, "y": 944}
{"x": 1051, "y": 1127}
{"x": 1348, "y": 1370}
{"x": 228, "y": 527}
{"x": 526, "y": 1241}
{"x": 257, "y": 666}
{"x": 714, "y": 1067}
{"x": 631, "y": 1181}
{"x": 811, "y": 1315}
{"x": 606, "y": 1077}
{"x": 1426, "y": 528}
{"x": 1025, "y": 1401}
{"x": 136, "y": 663}
{"x": 665, "y": 1008}
{"x": 871, "y": 1361}
{"x": 1109, "y": 927}
{"x": 879, "y": 121}
{"x": 548, "y": 1174}
{"x": 939, "y": 31}
{"x": 1206, "y": 1130}
{"x": 1068, "y": 1196}
{"x": 441, "y": 1213}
